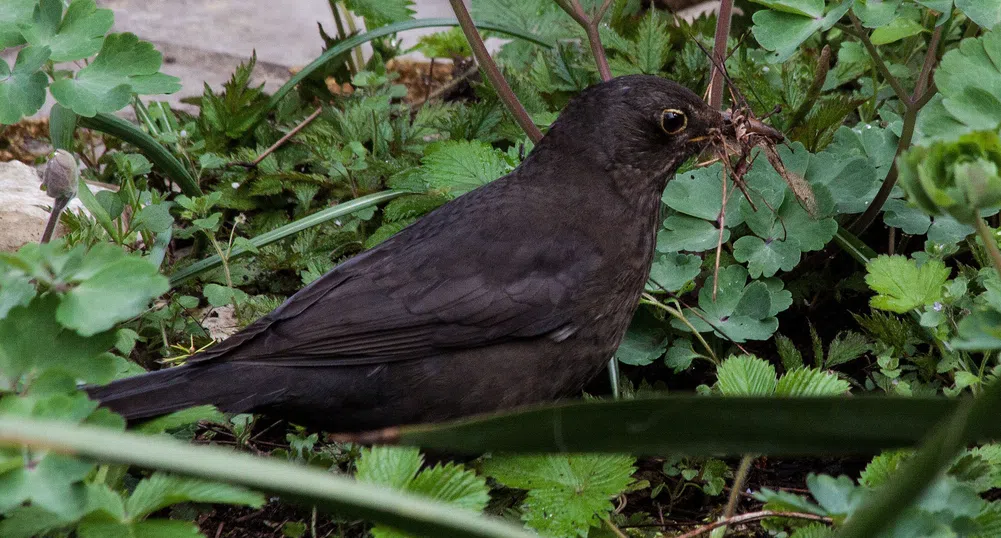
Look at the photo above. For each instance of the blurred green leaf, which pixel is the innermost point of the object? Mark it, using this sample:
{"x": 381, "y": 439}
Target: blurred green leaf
{"x": 76, "y": 36}
{"x": 22, "y": 89}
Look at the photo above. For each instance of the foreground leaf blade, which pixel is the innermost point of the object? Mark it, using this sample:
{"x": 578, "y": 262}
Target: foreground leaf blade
{"x": 341, "y": 495}
{"x": 698, "y": 426}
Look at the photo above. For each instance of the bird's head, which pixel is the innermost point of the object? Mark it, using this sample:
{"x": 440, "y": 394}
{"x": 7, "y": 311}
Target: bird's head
{"x": 640, "y": 123}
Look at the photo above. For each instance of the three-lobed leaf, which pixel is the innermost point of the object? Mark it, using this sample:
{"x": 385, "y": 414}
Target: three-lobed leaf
{"x": 76, "y": 36}
{"x": 22, "y": 89}
{"x": 902, "y": 286}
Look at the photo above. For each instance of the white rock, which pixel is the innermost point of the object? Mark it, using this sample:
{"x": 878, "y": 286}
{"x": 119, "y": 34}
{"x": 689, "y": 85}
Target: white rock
{"x": 23, "y": 206}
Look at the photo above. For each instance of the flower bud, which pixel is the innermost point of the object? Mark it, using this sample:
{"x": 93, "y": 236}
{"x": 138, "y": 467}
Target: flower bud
{"x": 61, "y": 176}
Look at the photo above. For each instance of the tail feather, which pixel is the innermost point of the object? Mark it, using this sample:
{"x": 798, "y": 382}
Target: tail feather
{"x": 158, "y": 393}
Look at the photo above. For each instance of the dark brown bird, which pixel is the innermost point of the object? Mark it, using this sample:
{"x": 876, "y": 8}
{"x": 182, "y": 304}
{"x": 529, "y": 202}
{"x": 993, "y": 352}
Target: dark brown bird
{"x": 517, "y": 292}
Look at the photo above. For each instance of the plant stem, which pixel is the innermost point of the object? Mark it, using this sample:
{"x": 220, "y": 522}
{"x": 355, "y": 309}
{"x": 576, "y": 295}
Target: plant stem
{"x": 738, "y": 484}
{"x": 906, "y": 134}
{"x": 281, "y": 141}
{"x": 922, "y": 84}
{"x": 990, "y": 242}
{"x": 590, "y": 26}
{"x": 50, "y": 226}
{"x": 716, "y": 82}
{"x": 493, "y": 74}
{"x": 341, "y": 34}
{"x": 359, "y": 59}
{"x": 880, "y": 65}
{"x": 752, "y": 516}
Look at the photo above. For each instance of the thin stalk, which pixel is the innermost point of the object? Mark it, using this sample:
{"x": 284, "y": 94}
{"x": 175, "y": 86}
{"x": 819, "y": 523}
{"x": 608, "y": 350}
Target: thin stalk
{"x": 738, "y": 484}
{"x": 716, "y": 82}
{"x": 906, "y": 134}
{"x": 880, "y": 65}
{"x": 281, "y": 141}
{"x": 922, "y": 84}
{"x": 50, "y": 226}
{"x": 677, "y": 314}
{"x": 359, "y": 59}
{"x": 493, "y": 74}
{"x": 990, "y": 242}
{"x": 341, "y": 34}
{"x": 753, "y": 516}
{"x": 590, "y": 25}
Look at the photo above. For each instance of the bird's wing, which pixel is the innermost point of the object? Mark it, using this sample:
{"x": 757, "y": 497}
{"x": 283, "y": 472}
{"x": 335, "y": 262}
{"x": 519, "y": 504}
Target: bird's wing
{"x": 413, "y": 298}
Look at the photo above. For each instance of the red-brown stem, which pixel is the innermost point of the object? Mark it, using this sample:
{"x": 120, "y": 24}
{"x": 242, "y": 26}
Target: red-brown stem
{"x": 925, "y": 76}
{"x": 716, "y": 82}
{"x": 493, "y": 74}
{"x": 590, "y": 26}
{"x": 295, "y": 130}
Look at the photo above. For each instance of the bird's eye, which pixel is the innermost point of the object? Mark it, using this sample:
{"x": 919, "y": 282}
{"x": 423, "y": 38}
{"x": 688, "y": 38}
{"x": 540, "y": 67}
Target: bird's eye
{"x": 673, "y": 121}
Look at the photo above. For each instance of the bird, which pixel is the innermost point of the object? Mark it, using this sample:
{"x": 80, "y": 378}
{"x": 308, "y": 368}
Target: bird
{"x": 515, "y": 293}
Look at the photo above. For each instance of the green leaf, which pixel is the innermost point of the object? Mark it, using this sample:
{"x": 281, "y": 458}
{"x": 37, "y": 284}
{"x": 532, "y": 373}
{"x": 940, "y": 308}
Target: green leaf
{"x": 642, "y": 344}
{"x": 682, "y": 232}
{"x": 741, "y": 311}
{"x": 845, "y": 347}
{"x": 902, "y": 286}
{"x": 218, "y": 295}
{"x": 806, "y": 8}
{"x": 898, "y": 29}
{"x": 162, "y": 490}
{"x": 967, "y": 78}
{"x": 699, "y": 193}
{"x": 389, "y": 466}
{"x": 791, "y": 357}
{"x": 14, "y": 13}
{"x": 811, "y": 382}
{"x": 32, "y": 339}
{"x": 765, "y": 258}
{"x": 985, "y": 13}
{"x": 76, "y": 36}
{"x": 51, "y": 482}
{"x": 882, "y": 467}
{"x": 673, "y": 270}
{"x": 745, "y": 375}
{"x": 22, "y": 90}
{"x": 154, "y": 528}
{"x": 124, "y": 66}
{"x": 459, "y": 166}
{"x": 875, "y": 14}
{"x": 837, "y": 496}
{"x": 567, "y": 494}
{"x": 16, "y": 290}
{"x": 184, "y": 417}
{"x": 652, "y": 44}
{"x": 381, "y": 12}
{"x": 680, "y": 355}
{"x": 783, "y": 32}
{"x": 108, "y": 287}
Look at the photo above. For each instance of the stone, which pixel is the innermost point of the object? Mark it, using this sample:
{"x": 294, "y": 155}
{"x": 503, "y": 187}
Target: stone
{"x": 24, "y": 206}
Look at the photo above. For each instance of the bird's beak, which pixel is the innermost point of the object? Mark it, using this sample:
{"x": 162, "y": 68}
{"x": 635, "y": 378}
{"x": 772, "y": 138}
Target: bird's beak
{"x": 751, "y": 126}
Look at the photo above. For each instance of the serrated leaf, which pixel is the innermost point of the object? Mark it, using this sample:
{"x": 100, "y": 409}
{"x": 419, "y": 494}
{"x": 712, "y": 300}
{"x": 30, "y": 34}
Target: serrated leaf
{"x": 902, "y": 286}
{"x": 745, "y": 375}
{"x": 680, "y": 355}
{"x": 567, "y": 494}
{"x": 811, "y": 382}
{"x": 896, "y": 30}
{"x": 162, "y": 490}
{"x": 791, "y": 357}
{"x": 153, "y": 528}
{"x": 395, "y": 467}
{"x": 184, "y": 417}
{"x": 882, "y": 467}
{"x": 845, "y": 347}
{"x": 837, "y": 496}
{"x": 813, "y": 530}
{"x": 218, "y": 295}
{"x": 652, "y": 43}
{"x": 108, "y": 287}
{"x": 381, "y": 12}
{"x": 76, "y": 36}
{"x": 22, "y": 89}
{"x": 459, "y": 166}
{"x": 125, "y": 65}
{"x": 51, "y": 482}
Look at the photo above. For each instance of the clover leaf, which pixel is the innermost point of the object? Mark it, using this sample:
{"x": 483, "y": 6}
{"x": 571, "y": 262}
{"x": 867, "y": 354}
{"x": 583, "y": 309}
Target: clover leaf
{"x": 968, "y": 79}
{"x": 76, "y": 36}
{"x": 124, "y": 66}
{"x": 22, "y": 89}
{"x": 783, "y": 31}
{"x": 740, "y": 311}
{"x": 669, "y": 272}
{"x": 14, "y": 13}
{"x": 983, "y": 12}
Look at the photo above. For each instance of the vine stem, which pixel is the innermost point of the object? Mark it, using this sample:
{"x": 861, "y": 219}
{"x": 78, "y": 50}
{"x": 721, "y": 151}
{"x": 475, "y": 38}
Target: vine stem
{"x": 716, "y": 82}
{"x": 923, "y": 91}
{"x": 987, "y": 235}
{"x": 493, "y": 74}
{"x": 752, "y": 516}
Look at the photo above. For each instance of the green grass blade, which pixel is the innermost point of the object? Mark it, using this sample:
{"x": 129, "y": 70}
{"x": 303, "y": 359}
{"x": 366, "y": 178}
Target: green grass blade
{"x": 97, "y": 210}
{"x": 62, "y": 124}
{"x": 699, "y": 426}
{"x": 854, "y": 246}
{"x": 937, "y": 452}
{"x": 337, "y": 494}
{"x": 154, "y": 151}
{"x": 383, "y": 31}
{"x": 278, "y": 234}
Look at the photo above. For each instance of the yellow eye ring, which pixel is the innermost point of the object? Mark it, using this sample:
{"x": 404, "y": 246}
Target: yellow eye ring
{"x": 673, "y": 121}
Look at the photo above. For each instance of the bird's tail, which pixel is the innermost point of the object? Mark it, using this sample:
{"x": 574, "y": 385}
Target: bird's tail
{"x": 172, "y": 389}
